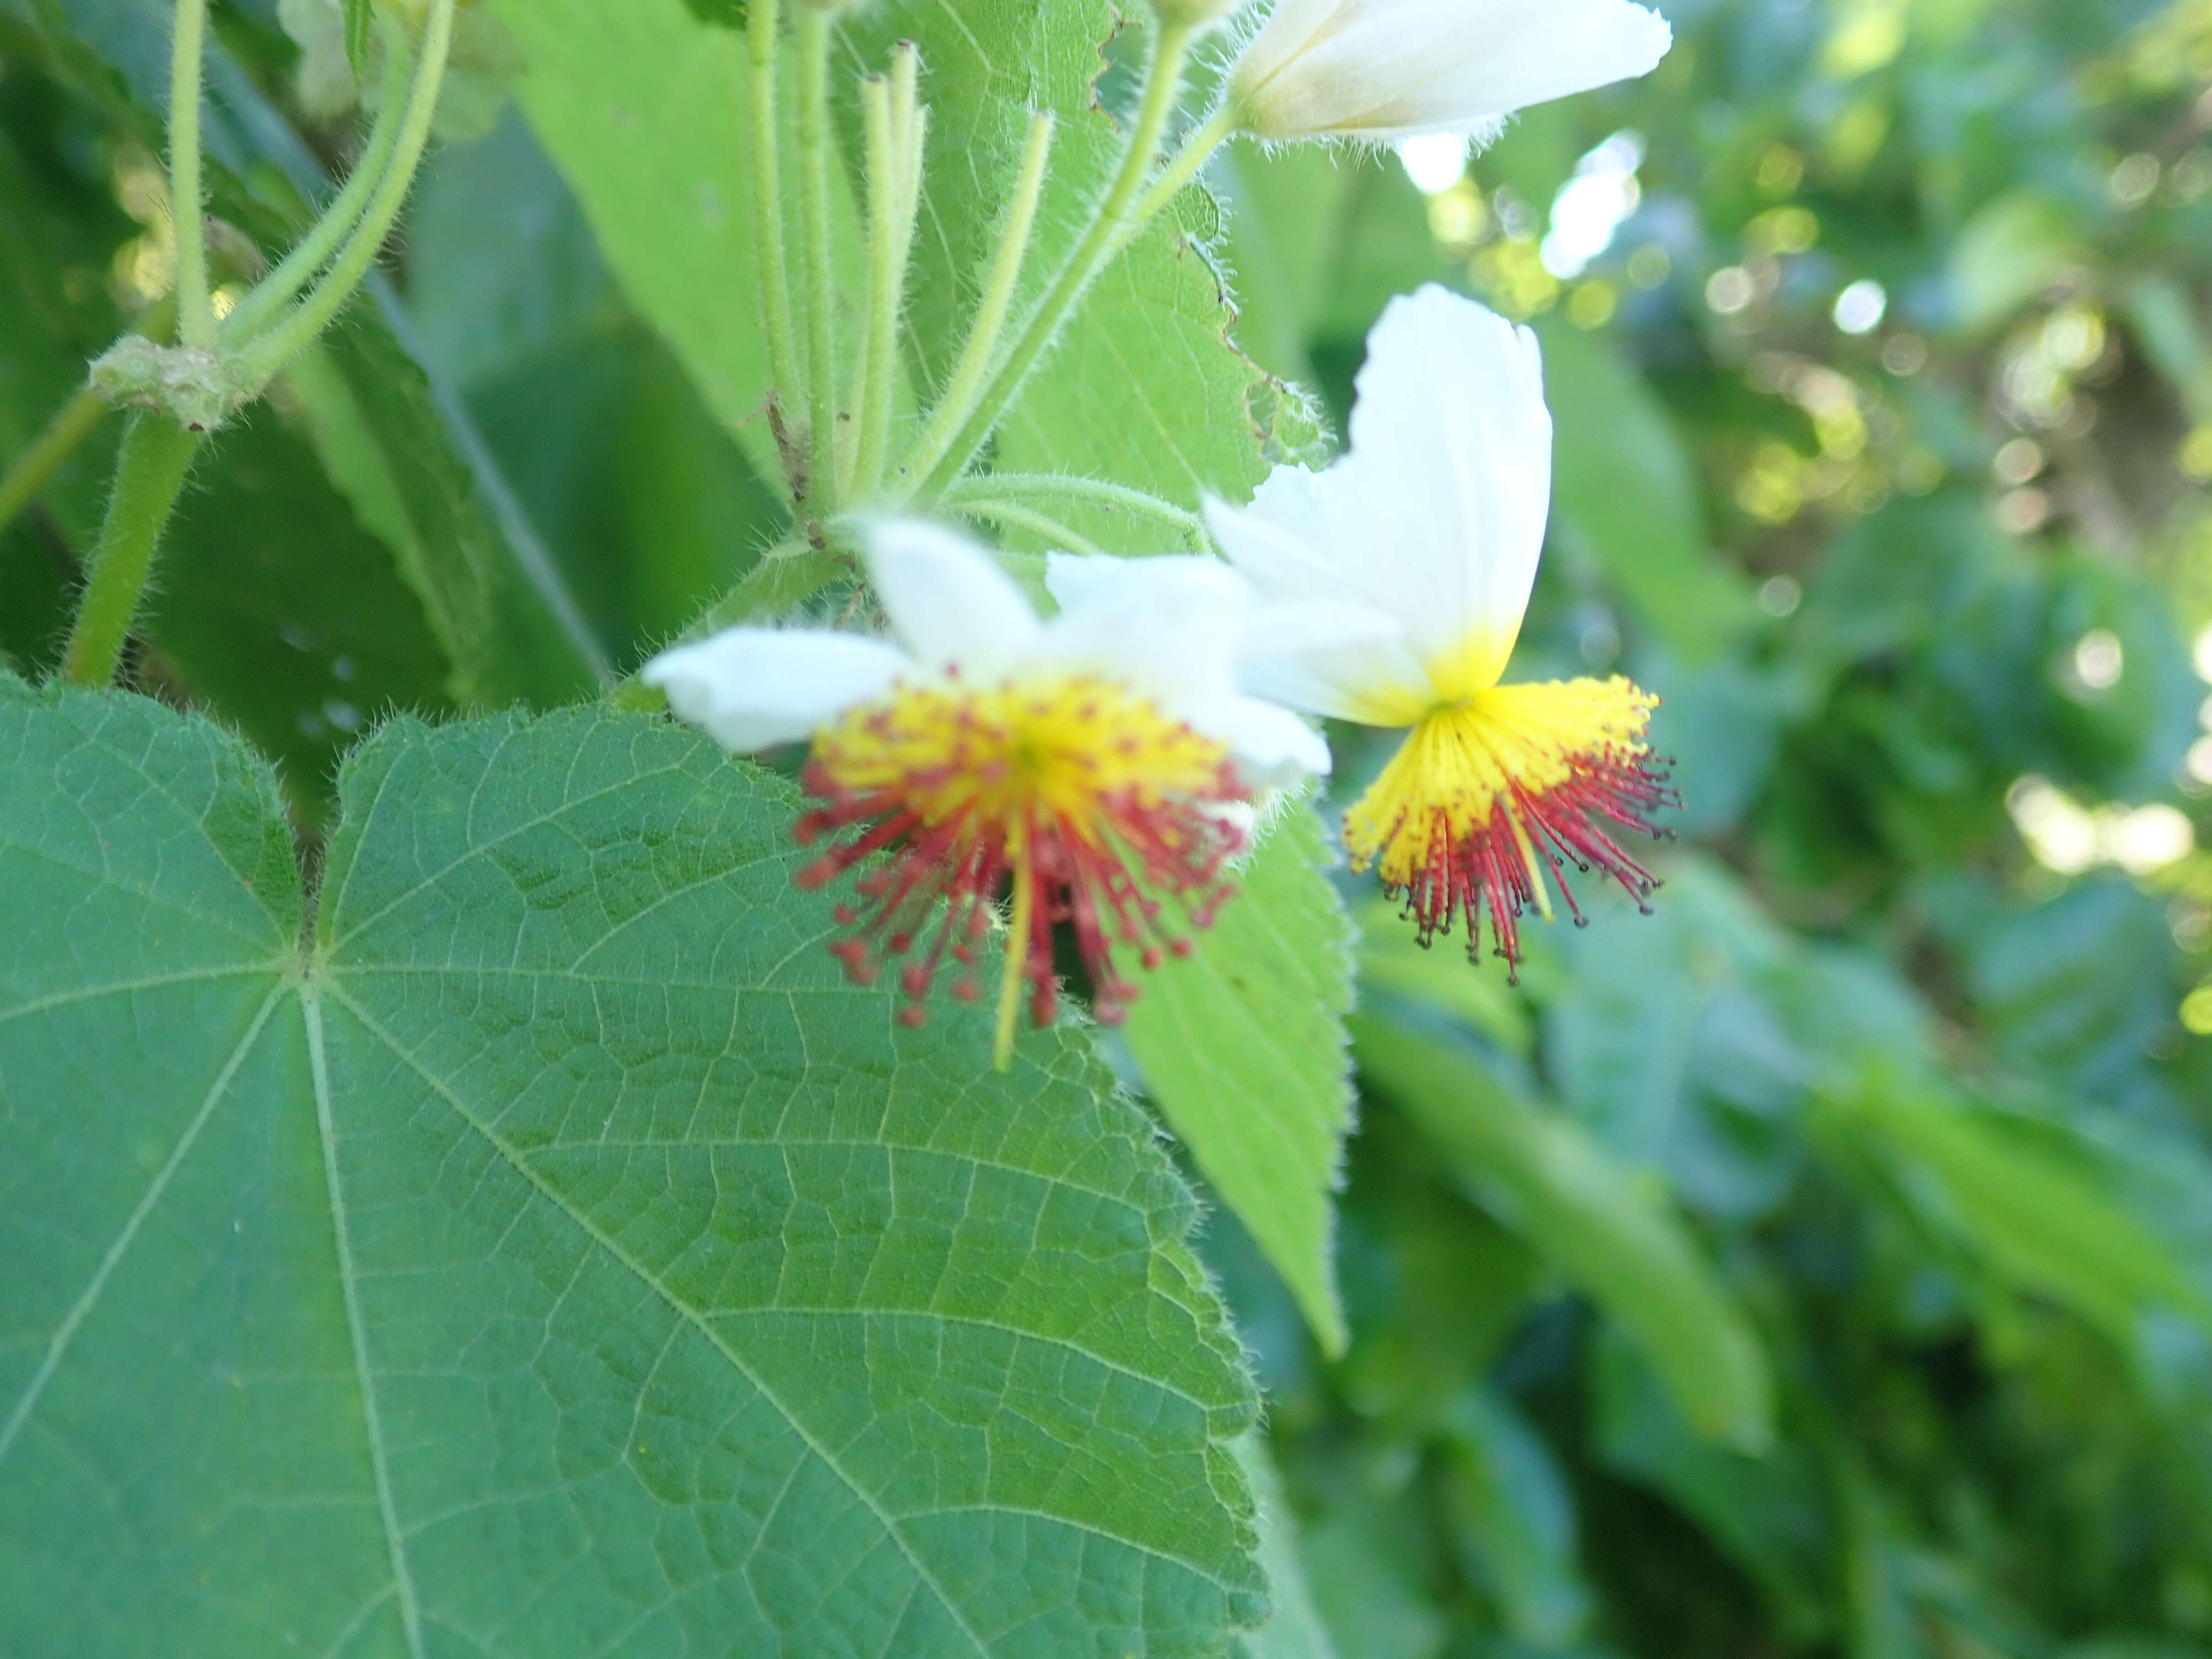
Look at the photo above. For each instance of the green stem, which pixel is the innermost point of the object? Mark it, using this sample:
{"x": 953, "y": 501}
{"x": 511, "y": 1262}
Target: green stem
{"x": 150, "y": 471}
{"x": 767, "y": 203}
{"x": 313, "y": 250}
{"x": 886, "y": 278}
{"x": 909, "y": 124}
{"x": 965, "y": 384}
{"x": 320, "y": 308}
{"x": 34, "y": 468}
{"x": 814, "y": 143}
{"x": 1016, "y": 516}
{"x": 76, "y": 421}
{"x": 187, "y": 208}
{"x": 1197, "y": 150}
{"x": 1163, "y": 84}
{"x": 978, "y": 492}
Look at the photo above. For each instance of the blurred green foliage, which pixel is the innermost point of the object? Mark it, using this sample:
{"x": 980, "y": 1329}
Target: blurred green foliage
{"x": 1822, "y": 1265}
{"x": 1884, "y": 452}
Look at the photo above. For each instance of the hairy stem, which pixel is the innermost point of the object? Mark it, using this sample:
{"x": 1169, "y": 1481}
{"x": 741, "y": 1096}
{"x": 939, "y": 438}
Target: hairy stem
{"x": 150, "y": 471}
{"x": 187, "y": 209}
{"x": 815, "y": 140}
{"x": 1014, "y": 515}
{"x": 34, "y": 468}
{"x": 27, "y": 479}
{"x": 887, "y": 173}
{"x": 313, "y": 250}
{"x": 1162, "y": 83}
{"x": 768, "y": 202}
{"x": 1198, "y": 149}
{"x": 317, "y": 312}
{"x": 966, "y": 382}
{"x": 981, "y": 492}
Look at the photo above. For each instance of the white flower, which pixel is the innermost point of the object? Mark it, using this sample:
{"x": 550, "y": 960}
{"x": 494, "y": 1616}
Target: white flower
{"x": 1422, "y": 543}
{"x": 1089, "y": 766}
{"x": 1387, "y": 70}
{"x": 1166, "y": 629}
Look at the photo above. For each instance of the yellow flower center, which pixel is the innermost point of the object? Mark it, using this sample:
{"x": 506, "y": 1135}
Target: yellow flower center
{"x": 1075, "y": 792}
{"x": 1466, "y": 759}
{"x": 1058, "y": 748}
{"x": 1495, "y": 792}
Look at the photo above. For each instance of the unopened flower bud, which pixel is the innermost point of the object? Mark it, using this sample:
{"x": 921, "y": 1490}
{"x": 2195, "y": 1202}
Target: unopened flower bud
{"x": 1381, "y": 70}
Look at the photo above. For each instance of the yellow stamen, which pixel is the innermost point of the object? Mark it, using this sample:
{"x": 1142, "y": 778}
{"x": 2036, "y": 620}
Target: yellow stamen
{"x": 1018, "y": 952}
{"x": 1087, "y": 800}
{"x": 1054, "y": 747}
{"x": 1463, "y": 757}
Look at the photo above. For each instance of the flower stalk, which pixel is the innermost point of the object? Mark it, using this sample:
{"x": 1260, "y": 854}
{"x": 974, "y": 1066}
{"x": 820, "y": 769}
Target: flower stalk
{"x": 768, "y": 197}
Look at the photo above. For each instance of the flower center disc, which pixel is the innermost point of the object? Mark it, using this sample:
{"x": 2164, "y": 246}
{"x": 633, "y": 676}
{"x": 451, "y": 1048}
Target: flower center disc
{"x": 1491, "y": 794}
{"x": 1078, "y": 793}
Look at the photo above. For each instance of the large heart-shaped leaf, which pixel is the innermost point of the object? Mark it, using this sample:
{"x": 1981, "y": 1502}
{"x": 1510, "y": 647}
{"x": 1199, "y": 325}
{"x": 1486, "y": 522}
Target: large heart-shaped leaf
{"x": 531, "y": 1246}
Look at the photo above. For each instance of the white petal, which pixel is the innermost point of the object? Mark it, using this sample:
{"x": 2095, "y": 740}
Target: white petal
{"x": 1386, "y": 69}
{"x": 1275, "y": 749}
{"x": 1166, "y": 627}
{"x": 1282, "y": 631}
{"x": 1080, "y": 579}
{"x": 1375, "y": 680}
{"x": 947, "y": 597}
{"x": 753, "y": 688}
{"x": 1454, "y": 440}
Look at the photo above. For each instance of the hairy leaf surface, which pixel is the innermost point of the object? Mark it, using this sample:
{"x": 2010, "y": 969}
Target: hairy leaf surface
{"x": 1242, "y": 1046}
{"x": 552, "y": 1255}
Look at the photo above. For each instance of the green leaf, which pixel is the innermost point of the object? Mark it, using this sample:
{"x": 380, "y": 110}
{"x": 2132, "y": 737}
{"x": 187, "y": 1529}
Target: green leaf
{"x": 2023, "y": 1197}
{"x": 406, "y": 452}
{"x": 1393, "y": 960}
{"x": 1767, "y": 1513}
{"x": 1625, "y": 495}
{"x": 1294, "y": 1629}
{"x": 642, "y": 104}
{"x": 648, "y": 504}
{"x": 550, "y": 1254}
{"x": 1286, "y": 211}
{"x": 54, "y": 314}
{"x": 1542, "y": 1175}
{"x": 1509, "y": 1502}
{"x": 277, "y": 605}
{"x": 1241, "y": 1044}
